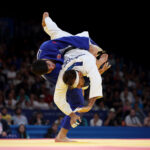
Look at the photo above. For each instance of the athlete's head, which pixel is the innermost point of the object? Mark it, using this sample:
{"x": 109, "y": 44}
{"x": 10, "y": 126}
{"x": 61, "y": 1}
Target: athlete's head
{"x": 40, "y": 67}
{"x": 74, "y": 79}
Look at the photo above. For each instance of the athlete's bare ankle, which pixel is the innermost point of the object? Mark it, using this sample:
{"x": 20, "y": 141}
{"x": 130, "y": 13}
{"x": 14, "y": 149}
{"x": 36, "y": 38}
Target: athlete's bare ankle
{"x": 62, "y": 139}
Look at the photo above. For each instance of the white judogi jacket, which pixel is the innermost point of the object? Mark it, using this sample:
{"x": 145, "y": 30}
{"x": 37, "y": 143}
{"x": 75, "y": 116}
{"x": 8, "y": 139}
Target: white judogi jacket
{"x": 88, "y": 69}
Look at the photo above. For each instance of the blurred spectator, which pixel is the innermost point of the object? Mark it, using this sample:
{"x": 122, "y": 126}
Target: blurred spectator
{"x": 138, "y": 101}
{"x": 146, "y": 106}
{"x": 36, "y": 87}
{"x": 11, "y": 102}
{"x": 52, "y": 132}
{"x": 32, "y": 102}
{"x": 19, "y": 118}
{"x": 6, "y": 116}
{"x": 4, "y": 128}
{"x": 139, "y": 112}
{"x": 48, "y": 97}
{"x": 84, "y": 121}
{"x": 96, "y": 121}
{"x": 126, "y": 94}
{"x": 59, "y": 120}
{"x": 132, "y": 120}
{"x": 36, "y": 103}
{"x": 131, "y": 82}
{"x": 100, "y": 106}
{"x": 112, "y": 60}
{"x": 52, "y": 106}
{"x": 2, "y": 102}
{"x": 39, "y": 120}
{"x": 23, "y": 88}
{"x": 10, "y": 89}
{"x": 22, "y": 99}
{"x": 116, "y": 100}
{"x": 120, "y": 116}
{"x": 22, "y": 134}
{"x": 127, "y": 106}
{"x": 3, "y": 78}
{"x": 42, "y": 104}
{"x": 118, "y": 74}
{"x": 111, "y": 118}
{"x": 147, "y": 120}
{"x": 139, "y": 88}
{"x": 11, "y": 74}
{"x": 17, "y": 79}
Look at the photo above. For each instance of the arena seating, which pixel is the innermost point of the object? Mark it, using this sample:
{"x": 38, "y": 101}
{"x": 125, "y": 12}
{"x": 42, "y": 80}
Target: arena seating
{"x": 52, "y": 115}
{"x": 34, "y": 131}
{"x": 91, "y": 132}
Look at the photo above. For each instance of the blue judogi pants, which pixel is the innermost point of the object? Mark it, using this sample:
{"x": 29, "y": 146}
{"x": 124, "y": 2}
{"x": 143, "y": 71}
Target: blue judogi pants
{"x": 75, "y": 99}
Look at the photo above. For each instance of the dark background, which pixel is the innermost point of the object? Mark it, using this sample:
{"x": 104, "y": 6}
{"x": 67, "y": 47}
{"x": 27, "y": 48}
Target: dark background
{"x": 119, "y": 28}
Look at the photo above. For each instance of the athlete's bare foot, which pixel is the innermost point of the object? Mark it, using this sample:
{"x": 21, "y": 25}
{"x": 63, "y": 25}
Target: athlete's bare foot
{"x": 64, "y": 139}
{"x": 45, "y": 14}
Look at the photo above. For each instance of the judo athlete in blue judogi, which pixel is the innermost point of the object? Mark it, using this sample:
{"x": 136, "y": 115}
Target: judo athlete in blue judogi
{"x": 50, "y": 59}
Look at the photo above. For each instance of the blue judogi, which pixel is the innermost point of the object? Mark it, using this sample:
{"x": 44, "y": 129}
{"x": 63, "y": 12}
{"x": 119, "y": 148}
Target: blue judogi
{"x": 51, "y": 49}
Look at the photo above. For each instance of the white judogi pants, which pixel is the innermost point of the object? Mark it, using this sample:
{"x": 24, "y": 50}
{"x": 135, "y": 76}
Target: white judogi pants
{"x": 55, "y": 32}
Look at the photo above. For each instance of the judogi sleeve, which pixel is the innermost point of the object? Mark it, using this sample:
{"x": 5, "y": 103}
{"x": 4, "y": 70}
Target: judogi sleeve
{"x": 60, "y": 96}
{"x": 95, "y": 79}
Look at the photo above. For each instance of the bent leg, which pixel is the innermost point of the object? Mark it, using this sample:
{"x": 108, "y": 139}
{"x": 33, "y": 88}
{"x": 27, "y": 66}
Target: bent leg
{"x": 75, "y": 99}
{"x": 53, "y": 30}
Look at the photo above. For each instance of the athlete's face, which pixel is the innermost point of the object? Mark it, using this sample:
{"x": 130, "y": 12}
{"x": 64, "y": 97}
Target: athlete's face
{"x": 51, "y": 66}
{"x": 81, "y": 80}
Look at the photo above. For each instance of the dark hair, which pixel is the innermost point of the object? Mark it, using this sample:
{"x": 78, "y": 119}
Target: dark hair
{"x": 17, "y": 108}
{"x": 24, "y": 134}
{"x": 69, "y": 77}
{"x": 39, "y": 67}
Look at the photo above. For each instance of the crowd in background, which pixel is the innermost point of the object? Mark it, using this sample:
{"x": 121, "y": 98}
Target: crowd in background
{"x": 126, "y": 85}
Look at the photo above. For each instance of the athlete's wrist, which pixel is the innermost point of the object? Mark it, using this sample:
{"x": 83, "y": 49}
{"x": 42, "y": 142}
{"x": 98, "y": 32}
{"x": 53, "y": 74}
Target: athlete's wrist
{"x": 72, "y": 114}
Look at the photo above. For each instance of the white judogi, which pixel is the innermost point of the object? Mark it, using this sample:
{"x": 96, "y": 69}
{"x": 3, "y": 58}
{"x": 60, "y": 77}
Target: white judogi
{"x": 55, "y": 32}
{"x": 88, "y": 69}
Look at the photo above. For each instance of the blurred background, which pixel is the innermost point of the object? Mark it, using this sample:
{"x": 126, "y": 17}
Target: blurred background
{"x": 25, "y": 99}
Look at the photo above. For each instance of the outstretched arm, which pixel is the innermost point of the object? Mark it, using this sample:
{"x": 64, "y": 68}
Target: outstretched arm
{"x": 95, "y": 82}
{"x": 88, "y": 107}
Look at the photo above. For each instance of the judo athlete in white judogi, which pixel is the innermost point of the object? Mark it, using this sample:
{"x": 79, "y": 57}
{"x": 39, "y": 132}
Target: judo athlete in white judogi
{"x": 77, "y": 64}
{"x": 50, "y": 59}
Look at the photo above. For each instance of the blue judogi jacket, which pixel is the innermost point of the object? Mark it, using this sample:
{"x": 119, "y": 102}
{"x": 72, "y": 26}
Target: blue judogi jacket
{"x": 51, "y": 49}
